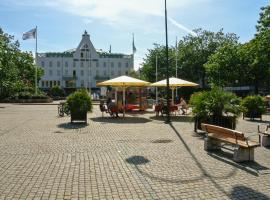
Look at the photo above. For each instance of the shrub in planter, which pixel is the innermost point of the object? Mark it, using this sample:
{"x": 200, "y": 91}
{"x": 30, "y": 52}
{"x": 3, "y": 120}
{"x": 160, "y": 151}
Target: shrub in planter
{"x": 79, "y": 103}
{"x": 216, "y": 107}
{"x": 253, "y": 106}
{"x": 56, "y": 91}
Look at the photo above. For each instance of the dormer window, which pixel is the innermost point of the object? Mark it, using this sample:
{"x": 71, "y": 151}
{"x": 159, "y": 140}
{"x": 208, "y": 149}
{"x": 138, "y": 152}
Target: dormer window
{"x": 81, "y": 55}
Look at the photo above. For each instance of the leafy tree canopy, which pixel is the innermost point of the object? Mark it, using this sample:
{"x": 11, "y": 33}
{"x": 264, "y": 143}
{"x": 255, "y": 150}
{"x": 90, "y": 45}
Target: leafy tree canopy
{"x": 17, "y": 69}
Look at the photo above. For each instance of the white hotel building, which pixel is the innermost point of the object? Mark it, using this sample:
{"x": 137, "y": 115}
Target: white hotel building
{"x": 83, "y": 67}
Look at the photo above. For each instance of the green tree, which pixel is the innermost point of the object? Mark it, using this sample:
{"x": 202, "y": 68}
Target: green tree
{"x": 194, "y": 52}
{"x": 224, "y": 66}
{"x": 264, "y": 21}
{"x": 148, "y": 70}
{"x": 254, "y": 56}
{"x": 17, "y": 70}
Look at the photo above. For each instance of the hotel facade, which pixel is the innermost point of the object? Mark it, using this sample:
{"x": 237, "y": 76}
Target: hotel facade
{"x": 82, "y": 67}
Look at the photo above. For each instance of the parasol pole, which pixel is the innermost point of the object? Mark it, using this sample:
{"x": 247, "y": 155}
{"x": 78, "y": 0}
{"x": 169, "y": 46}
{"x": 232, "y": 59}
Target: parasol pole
{"x": 124, "y": 100}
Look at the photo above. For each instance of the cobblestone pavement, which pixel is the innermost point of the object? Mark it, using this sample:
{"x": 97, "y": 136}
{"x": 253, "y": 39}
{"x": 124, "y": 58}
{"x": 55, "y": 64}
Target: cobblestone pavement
{"x": 42, "y": 156}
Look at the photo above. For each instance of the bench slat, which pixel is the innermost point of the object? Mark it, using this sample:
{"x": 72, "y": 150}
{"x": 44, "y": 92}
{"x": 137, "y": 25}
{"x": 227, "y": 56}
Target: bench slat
{"x": 241, "y": 143}
{"x": 228, "y": 135}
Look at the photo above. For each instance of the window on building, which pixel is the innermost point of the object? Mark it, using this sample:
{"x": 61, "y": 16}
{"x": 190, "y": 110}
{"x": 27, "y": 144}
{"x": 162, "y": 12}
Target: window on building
{"x": 54, "y": 83}
{"x": 97, "y": 64}
{"x": 97, "y": 73}
{"x": 50, "y": 72}
{"x": 42, "y": 84}
{"x": 47, "y": 84}
{"x": 74, "y": 73}
{"x": 66, "y": 72}
{"x": 42, "y": 64}
{"x": 119, "y": 72}
{"x": 104, "y": 64}
{"x": 50, "y": 63}
{"x": 58, "y": 72}
{"x": 58, "y": 82}
{"x": 126, "y": 64}
{"x": 58, "y": 63}
{"x": 82, "y": 83}
{"x": 112, "y": 73}
{"x": 66, "y": 64}
{"x": 104, "y": 73}
{"x": 82, "y": 73}
{"x": 126, "y": 72}
{"x": 82, "y": 64}
{"x": 112, "y": 64}
{"x": 51, "y": 84}
{"x": 81, "y": 54}
{"x": 119, "y": 64}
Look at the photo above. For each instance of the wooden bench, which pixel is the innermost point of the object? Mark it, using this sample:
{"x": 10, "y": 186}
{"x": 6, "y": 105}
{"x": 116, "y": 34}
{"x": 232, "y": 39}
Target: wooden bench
{"x": 265, "y": 140}
{"x": 217, "y": 136}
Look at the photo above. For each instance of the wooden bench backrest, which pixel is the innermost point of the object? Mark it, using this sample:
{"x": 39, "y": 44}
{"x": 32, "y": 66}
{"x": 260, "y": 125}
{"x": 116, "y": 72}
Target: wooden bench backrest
{"x": 224, "y": 131}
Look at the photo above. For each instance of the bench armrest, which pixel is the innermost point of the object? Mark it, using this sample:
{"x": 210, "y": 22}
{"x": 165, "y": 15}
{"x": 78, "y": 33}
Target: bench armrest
{"x": 255, "y": 134}
{"x": 266, "y": 127}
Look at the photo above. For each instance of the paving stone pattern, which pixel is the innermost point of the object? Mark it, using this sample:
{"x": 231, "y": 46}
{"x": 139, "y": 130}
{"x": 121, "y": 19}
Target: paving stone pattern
{"x": 42, "y": 156}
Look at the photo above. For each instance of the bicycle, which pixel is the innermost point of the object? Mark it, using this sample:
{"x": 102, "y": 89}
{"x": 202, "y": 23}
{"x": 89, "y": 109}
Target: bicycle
{"x": 63, "y": 109}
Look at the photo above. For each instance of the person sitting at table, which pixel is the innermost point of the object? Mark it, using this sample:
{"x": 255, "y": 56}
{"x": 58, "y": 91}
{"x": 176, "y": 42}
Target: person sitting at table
{"x": 112, "y": 108}
{"x": 183, "y": 106}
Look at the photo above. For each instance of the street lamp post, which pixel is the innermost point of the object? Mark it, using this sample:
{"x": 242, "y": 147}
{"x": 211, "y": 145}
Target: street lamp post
{"x": 167, "y": 67}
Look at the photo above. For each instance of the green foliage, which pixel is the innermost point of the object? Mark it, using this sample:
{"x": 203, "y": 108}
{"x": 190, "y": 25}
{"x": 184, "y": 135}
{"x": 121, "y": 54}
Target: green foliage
{"x": 79, "y": 101}
{"x": 148, "y": 70}
{"x": 215, "y": 103}
{"x": 254, "y": 56}
{"x": 17, "y": 70}
{"x": 264, "y": 21}
{"x": 56, "y": 91}
{"x": 253, "y": 103}
{"x": 193, "y": 53}
{"x": 224, "y": 66}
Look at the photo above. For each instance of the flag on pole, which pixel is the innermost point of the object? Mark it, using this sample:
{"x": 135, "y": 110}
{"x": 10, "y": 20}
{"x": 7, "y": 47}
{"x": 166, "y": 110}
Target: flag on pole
{"x": 133, "y": 45}
{"x": 30, "y": 34}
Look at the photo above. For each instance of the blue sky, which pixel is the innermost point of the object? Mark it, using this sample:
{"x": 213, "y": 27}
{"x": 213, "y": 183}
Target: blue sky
{"x": 112, "y": 22}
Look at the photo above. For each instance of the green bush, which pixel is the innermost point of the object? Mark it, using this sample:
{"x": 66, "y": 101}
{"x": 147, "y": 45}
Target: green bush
{"x": 56, "y": 91}
{"x": 215, "y": 103}
{"x": 252, "y": 104}
{"x": 79, "y": 101}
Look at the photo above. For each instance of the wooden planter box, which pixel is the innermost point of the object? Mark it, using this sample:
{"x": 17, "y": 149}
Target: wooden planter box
{"x": 252, "y": 115}
{"x": 79, "y": 116}
{"x": 223, "y": 121}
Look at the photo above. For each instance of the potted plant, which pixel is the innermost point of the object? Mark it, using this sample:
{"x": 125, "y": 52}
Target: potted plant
{"x": 79, "y": 103}
{"x": 215, "y": 107}
{"x": 253, "y": 107}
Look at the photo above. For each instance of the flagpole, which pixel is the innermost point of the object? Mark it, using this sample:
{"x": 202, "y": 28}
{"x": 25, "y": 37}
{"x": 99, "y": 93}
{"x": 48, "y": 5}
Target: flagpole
{"x": 156, "y": 80}
{"x": 176, "y": 63}
{"x": 36, "y": 64}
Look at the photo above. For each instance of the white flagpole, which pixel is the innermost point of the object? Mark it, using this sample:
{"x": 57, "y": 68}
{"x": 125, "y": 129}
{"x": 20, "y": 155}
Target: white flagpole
{"x": 176, "y": 63}
{"x": 36, "y": 63}
{"x": 156, "y": 79}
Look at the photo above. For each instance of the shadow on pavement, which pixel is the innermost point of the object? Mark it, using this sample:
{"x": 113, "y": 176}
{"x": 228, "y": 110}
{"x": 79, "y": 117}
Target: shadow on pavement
{"x": 69, "y": 125}
{"x": 121, "y": 120}
{"x": 182, "y": 118}
{"x": 250, "y": 167}
{"x": 256, "y": 120}
{"x": 137, "y": 160}
{"x": 242, "y": 192}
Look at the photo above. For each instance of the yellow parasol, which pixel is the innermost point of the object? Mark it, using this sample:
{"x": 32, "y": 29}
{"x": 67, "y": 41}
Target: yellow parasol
{"x": 124, "y": 82}
{"x": 173, "y": 84}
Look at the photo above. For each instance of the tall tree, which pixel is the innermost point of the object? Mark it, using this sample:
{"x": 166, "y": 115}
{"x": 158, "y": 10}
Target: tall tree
{"x": 194, "y": 52}
{"x": 17, "y": 70}
{"x": 148, "y": 71}
{"x": 264, "y": 21}
{"x": 255, "y": 56}
{"x": 224, "y": 67}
